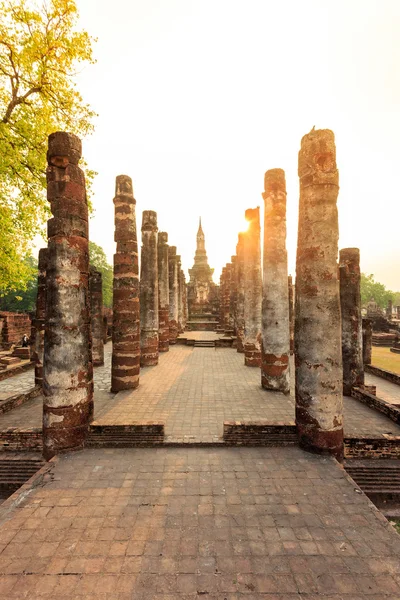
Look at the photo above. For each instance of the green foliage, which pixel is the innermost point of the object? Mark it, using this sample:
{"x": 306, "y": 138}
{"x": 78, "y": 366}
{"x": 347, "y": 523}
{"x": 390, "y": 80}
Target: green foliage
{"x": 24, "y": 299}
{"x": 40, "y": 51}
{"x": 98, "y": 259}
{"x": 371, "y": 289}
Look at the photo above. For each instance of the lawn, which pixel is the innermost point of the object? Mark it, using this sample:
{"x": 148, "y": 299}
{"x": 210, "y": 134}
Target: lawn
{"x": 383, "y": 358}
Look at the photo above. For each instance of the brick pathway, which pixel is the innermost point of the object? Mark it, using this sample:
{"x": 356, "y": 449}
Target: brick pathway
{"x": 183, "y": 524}
{"x": 19, "y": 384}
{"x": 193, "y": 390}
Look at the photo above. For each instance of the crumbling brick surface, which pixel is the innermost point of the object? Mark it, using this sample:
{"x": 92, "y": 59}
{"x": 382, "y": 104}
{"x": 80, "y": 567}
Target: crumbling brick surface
{"x": 163, "y": 292}
{"x": 318, "y": 361}
{"x": 125, "y": 368}
{"x": 68, "y": 370}
{"x": 149, "y": 291}
{"x": 252, "y": 290}
{"x": 275, "y": 347}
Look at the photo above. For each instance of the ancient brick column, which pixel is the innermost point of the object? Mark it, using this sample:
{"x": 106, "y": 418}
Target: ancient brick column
{"x": 275, "y": 347}
{"x": 367, "y": 340}
{"x": 319, "y": 378}
{"x": 222, "y": 281}
{"x": 125, "y": 366}
{"x": 185, "y": 302}
{"x": 68, "y": 370}
{"x": 233, "y": 294}
{"x": 240, "y": 294}
{"x": 350, "y": 303}
{"x": 252, "y": 290}
{"x": 291, "y": 313}
{"x": 40, "y": 316}
{"x": 180, "y": 294}
{"x": 389, "y": 309}
{"x": 173, "y": 294}
{"x": 96, "y": 316}
{"x": 163, "y": 293}
{"x": 228, "y": 321}
{"x": 149, "y": 290}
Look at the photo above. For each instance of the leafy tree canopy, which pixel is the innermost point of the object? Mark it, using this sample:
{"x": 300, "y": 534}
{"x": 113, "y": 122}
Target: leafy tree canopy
{"x": 23, "y": 300}
{"x": 98, "y": 259}
{"x": 371, "y": 289}
{"x": 40, "y": 52}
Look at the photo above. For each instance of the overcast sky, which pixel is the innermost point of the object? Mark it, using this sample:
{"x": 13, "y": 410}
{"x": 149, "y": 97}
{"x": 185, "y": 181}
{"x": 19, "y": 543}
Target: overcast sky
{"x": 198, "y": 98}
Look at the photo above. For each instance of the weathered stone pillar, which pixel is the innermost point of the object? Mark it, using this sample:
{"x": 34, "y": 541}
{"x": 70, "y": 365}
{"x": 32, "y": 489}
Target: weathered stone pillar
{"x": 125, "y": 366}
{"x": 275, "y": 347}
{"x": 228, "y": 324}
{"x": 367, "y": 341}
{"x": 185, "y": 302}
{"x": 173, "y": 294}
{"x": 163, "y": 293}
{"x": 350, "y": 303}
{"x": 96, "y": 316}
{"x": 319, "y": 378}
{"x": 180, "y": 294}
{"x": 233, "y": 294}
{"x": 252, "y": 290}
{"x": 149, "y": 290}
{"x": 68, "y": 370}
{"x": 222, "y": 283}
{"x": 240, "y": 293}
{"x": 291, "y": 313}
{"x": 40, "y": 316}
{"x": 389, "y": 310}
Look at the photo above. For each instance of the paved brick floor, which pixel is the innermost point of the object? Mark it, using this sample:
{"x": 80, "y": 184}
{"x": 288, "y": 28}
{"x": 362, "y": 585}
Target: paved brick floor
{"x": 193, "y": 390}
{"x": 384, "y": 389}
{"x": 182, "y": 524}
{"x": 19, "y": 384}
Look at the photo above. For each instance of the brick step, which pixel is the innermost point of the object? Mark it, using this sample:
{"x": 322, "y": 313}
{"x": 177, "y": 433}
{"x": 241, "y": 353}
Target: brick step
{"x": 15, "y": 472}
{"x": 204, "y": 344}
{"x": 379, "y": 480}
{"x": 102, "y": 441}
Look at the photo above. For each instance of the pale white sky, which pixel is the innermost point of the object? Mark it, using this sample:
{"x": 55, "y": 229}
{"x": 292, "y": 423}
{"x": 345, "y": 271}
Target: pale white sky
{"x": 198, "y": 98}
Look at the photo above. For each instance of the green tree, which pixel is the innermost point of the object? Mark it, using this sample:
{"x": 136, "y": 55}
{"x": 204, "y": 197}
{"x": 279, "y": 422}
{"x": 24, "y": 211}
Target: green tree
{"x": 40, "y": 51}
{"x": 23, "y": 300}
{"x": 373, "y": 289}
{"x": 98, "y": 259}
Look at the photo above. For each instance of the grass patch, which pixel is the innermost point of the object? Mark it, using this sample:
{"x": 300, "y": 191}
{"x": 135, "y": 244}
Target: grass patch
{"x": 384, "y": 359}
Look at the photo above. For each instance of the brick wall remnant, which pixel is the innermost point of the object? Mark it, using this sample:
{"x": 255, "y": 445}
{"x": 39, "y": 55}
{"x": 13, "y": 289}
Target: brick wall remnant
{"x": 240, "y": 293}
{"x": 173, "y": 294}
{"x": 319, "y": 378}
{"x": 367, "y": 341}
{"x": 14, "y": 326}
{"x": 96, "y": 316}
{"x": 40, "y": 316}
{"x": 252, "y": 289}
{"x": 68, "y": 369}
{"x": 350, "y": 303}
{"x": 125, "y": 364}
{"x": 163, "y": 293}
{"x": 149, "y": 290}
{"x": 275, "y": 347}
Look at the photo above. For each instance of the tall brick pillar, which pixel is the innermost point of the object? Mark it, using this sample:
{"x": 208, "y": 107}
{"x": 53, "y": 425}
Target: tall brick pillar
{"x": 233, "y": 294}
{"x": 318, "y": 345}
{"x": 96, "y": 316}
{"x": 68, "y": 370}
{"x": 367, "y": 341}
{"x": 163, "y": 293}
{"x": 350, "y": 302}
{"x": 252, "y": 290}
{"x": 149, "y": 291}
{"x": 180, "y": 294}
{"x": 40, "y": 316}
{"x": 125, "y": 366}
{"x": 222, "y": 298}
{"x": 240, "y": 293}
{"x": 275, "y": 347}
{"x": 291, "y": 313}
{"x": 228, "y": 324}
{"x": 185, "y": 303}
{"x": 173, "y": 294}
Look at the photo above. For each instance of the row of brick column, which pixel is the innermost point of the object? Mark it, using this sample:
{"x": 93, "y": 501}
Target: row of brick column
{"x": 320, "y": 320}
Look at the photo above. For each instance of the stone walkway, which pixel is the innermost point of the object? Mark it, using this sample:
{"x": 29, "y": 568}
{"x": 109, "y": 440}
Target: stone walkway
{"x": 183, "y": 524}
{"x": 384, "y": 389}
{"x": 193, "y": 390}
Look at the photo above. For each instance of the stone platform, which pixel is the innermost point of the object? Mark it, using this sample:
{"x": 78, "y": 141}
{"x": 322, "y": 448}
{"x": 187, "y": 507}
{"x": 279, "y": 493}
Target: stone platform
{"x": 183, "y": 524}
{"x": 193, "y": 391}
